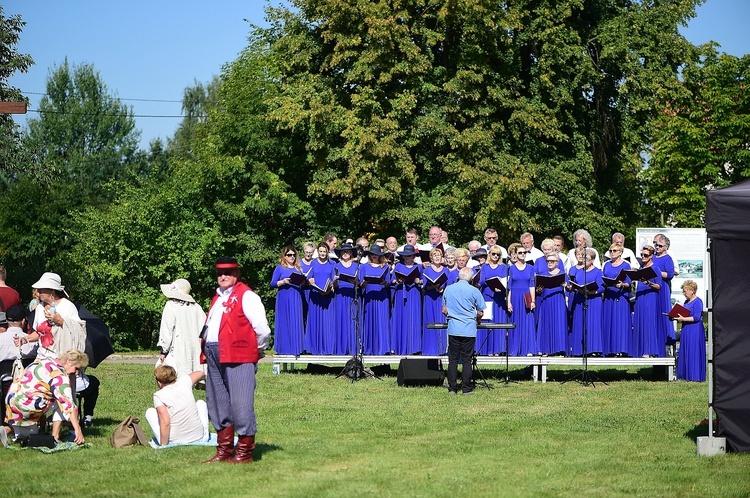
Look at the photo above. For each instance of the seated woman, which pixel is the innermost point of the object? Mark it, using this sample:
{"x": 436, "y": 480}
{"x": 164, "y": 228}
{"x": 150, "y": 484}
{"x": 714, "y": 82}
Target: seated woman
{"x": 45, "y": 387}
{"x": 177, "y": 417}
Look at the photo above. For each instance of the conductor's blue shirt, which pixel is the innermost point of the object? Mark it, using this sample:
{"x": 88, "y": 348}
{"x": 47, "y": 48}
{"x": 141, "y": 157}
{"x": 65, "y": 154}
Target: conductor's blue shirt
{"x": 462, "y": 301}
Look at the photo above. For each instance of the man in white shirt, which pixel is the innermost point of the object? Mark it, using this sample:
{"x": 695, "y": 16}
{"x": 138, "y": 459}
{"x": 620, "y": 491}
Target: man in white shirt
{"x": 532, "y": 253}
{"x": 582, "y": 238}
{"x": 627, "y": 254}
{"x": 236, "y": 335}
{"x": 490, "y": 239}
{"x": 473, "y": 247}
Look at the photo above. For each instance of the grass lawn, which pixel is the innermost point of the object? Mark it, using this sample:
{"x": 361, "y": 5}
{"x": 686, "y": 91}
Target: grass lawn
{"x": 321, "y": 436}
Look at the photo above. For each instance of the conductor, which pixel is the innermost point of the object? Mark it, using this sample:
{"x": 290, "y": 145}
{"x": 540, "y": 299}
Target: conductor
{"x": 463, "y": 305}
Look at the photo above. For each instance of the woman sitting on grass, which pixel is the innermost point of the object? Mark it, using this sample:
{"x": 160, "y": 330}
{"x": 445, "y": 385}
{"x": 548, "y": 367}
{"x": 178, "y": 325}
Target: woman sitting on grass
{"x": 177, "y": 418}
{"x": 45, "y": 387}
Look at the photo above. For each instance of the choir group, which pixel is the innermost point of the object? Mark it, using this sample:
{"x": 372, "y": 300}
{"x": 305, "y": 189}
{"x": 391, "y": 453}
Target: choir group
{"x": 378, "y": 300}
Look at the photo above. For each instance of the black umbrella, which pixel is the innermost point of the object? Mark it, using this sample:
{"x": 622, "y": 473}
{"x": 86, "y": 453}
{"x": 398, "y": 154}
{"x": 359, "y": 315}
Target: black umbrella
{"x": 98, "y": 345}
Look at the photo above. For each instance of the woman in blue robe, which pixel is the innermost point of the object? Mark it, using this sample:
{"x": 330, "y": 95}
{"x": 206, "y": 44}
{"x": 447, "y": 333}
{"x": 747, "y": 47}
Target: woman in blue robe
{"x": 434, "y": 341}
{"x": 593, "y": 312}
{"x": 522, "y": 339}
{"x": 288, "y": 324}
{"x": 496, "y": 296}
{"x": 617, "y": 320}
{"x": 551, "y": 311}
{"x": 664, "y": 264}
{"x": 691, "y": 364}
{"x": 374, "y": 279}
{"x": 305, "y": 264}
{"x": 320, "y": 331}
{"x": 647, "y": 313}
{"x": 406, "y": 311}
{"x": 345, "y": 271}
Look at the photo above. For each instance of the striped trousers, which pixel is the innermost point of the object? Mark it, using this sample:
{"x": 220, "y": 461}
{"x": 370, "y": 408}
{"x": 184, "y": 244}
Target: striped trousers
{"x": 230, "y": 393}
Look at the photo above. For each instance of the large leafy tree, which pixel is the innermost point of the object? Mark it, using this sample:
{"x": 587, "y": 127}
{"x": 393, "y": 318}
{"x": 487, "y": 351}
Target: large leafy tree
{"x": 529, "y": 114}
{"x": 84, "y": 135}
{"x": 701, "y": 137}
{"x": 197, "y": 101}
{"x": 11, "y": 61}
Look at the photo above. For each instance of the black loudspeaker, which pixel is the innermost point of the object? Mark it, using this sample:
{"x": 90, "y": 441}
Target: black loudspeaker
{"x": 420, "y": 372}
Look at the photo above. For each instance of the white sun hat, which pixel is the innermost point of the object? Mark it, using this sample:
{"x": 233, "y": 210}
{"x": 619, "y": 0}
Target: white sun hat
{"x": 179, "y": 289}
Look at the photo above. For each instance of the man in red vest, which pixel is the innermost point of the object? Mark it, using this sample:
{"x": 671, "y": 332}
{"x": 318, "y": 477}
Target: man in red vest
{"x": 236, "y": 334}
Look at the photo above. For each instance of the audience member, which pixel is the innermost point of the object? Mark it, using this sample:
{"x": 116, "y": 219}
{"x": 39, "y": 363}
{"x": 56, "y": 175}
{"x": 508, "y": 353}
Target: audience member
{"x": 177, "y": 418}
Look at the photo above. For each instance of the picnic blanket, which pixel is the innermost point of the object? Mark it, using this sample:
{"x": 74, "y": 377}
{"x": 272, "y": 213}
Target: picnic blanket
{"x": 211, "y": 442}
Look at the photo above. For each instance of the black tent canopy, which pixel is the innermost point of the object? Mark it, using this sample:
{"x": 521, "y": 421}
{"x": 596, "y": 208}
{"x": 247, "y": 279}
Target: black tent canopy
{"x": 728, "y": 229}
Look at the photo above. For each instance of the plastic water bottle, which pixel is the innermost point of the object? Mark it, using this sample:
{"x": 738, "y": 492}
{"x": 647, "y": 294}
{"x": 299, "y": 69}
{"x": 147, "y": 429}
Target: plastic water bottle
{"x": 52, "y": 311}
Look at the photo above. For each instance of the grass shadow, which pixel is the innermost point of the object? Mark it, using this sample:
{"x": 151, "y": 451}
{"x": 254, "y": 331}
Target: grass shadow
{"x": 262, "y": 448}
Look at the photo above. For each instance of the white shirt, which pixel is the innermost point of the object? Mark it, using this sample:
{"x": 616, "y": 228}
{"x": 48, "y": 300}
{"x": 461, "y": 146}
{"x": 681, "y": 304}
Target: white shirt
{"x": 9, "y": 351}
{"x": 253, "y": 309}
{"x": 185, "y": 424}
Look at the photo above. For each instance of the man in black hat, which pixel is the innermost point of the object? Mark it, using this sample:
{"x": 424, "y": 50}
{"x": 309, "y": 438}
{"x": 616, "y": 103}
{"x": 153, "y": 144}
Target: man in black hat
{"x": 236, "y": 334}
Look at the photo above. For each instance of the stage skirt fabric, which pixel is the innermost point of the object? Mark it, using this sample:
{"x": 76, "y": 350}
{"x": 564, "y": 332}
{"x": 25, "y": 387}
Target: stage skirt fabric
{"x": 434, "y": 341}
{"x": 617, "y": 320}
{"x": 288, "y": 323}
{"x": 406, "y": 316}
{"x": 375, "y": 312}
{"x": 691, "y": 364}
{"x": 346, "y": 314}
{"x": 646, "y": 317}
{"x": 522, "y": 339}
{"x": 593, "y": 316}
{"x": 552, "y": 320}
{"x": 493, "y": 341}
{"x": 320, "y": 331}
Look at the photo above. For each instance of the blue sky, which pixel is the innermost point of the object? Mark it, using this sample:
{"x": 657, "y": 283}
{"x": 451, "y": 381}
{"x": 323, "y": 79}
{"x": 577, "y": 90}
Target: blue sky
{"x": 153, "y": 50}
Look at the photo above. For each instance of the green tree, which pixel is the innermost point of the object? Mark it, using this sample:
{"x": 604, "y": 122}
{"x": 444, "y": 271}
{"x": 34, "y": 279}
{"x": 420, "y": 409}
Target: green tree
{"x": 197, "y": 101}
{"x": 700, "y": 137}
{"x": 11, "y": 61}
{"x": 529, "y": 115}
{"x": 84, "y": 135}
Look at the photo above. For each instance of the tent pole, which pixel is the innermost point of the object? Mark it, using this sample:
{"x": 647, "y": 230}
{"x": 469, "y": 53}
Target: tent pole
{"x": 710, "y": 366}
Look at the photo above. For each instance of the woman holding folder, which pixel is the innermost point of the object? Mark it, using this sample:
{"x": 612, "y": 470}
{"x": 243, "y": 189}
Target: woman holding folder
{"x": 521, "y": 305}
{"x": 374, "y": 278}
{"x": 587, "y": 286}
{"x": 288, "y": 325}
{"x": 320, "y": 331}
{"x": 494, "y": 281}
{"x": 692, "y": 362}
{"x": 345, "y": 275}
{"x": 406, "y": 312}
{"x": 617, "y": 322}
{"x": 551, "y": 310}
{"x": 647, "y": 312}
{"x": 436, "y": 276}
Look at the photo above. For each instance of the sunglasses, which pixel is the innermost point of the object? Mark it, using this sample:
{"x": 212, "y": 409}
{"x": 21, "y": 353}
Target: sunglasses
{"x": 645, "y": 255}
{"x": 495, "y": 254}
{"x": 220, "y": 273}
{"x": 290, "y": 255}
{"x": 658, "y": 245}
{"x": 520, "y": 252}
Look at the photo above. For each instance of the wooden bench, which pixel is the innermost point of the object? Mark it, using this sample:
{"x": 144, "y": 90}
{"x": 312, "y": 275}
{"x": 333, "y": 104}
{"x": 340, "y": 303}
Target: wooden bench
{"x": 282, "y": 363}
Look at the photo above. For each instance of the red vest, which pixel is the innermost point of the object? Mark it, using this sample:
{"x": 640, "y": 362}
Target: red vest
{"x": 237, "y": 340}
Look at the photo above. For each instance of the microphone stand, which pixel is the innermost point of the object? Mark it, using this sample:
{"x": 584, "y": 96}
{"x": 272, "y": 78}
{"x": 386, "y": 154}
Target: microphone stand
{"x": 585, "y": 378}
{"x": 355, "y": 368}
